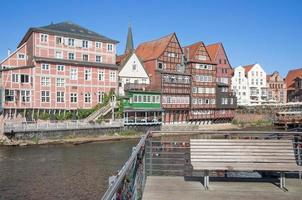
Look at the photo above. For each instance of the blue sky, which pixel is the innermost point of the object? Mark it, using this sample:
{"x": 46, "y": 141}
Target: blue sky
{"x": 264, "y": 31}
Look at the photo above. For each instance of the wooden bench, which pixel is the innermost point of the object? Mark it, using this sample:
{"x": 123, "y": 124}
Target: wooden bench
{"x": 243, "y": 155}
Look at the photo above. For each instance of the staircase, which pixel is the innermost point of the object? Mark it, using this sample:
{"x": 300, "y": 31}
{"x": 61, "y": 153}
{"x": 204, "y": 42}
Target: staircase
{"x": 100, "y": 112}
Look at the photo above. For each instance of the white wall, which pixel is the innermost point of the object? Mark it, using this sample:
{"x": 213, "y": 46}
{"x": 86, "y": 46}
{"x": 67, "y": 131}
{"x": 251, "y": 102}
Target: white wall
{"x": 130, "y": 75}
{"x": 240, "y": 86}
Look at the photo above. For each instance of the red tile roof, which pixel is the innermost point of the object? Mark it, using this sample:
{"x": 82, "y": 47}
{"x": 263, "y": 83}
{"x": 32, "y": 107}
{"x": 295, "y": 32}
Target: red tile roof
{"x": 193, "y": 48}
{"x": 120, "y": 58}
{"x": 247, "y": 68}
{"x": 291, "y": 75}
{"x": 153, "y": 49}
{"x": 213, "y": 49}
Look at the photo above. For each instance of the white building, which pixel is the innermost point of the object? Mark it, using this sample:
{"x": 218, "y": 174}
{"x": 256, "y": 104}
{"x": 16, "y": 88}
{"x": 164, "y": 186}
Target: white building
{"x": 249, "y": 85}
{"x": 132, "y": 74}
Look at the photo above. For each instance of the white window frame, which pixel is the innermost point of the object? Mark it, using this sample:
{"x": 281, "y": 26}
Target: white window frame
{"x": 43, "y": 38}
{"x": 60, "y": 53}
{"x": 87, "y": 97}
{"x": 87, "y": 75}
{"x": 110, "y": 47}
{"x": 60, "y": 82}
{"x": 45, "y": 98}
{"x": 45, "y": 66}
{"x": 112, "y": 76}
{"x": 23, "y": 56}
{"x": 61, "y": 68}
{"x": 45, "y": 81}
{"x": 25, "y": 95}
{"x": 57, "y": 37}
{"x": 73, "y": 97}
{"x": 85, "y": 54}
{"x": 101, "y": 75}
{"x": 60, "y": 97}
{"x": 98, "y": 45}
{"x": 98, "y": 60}
{"x": 74, "y": 55}
{"x": 71, "y": 42}
{"x": 85, "y": 44}
{"x": 15, "y": 78}
{"x": 73, "y": 74}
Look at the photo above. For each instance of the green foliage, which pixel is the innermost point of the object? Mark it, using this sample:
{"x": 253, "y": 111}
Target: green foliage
{"x": 44, "y": 116}
{"x": 119, "y": 113}
{"x": 83, "y": 113}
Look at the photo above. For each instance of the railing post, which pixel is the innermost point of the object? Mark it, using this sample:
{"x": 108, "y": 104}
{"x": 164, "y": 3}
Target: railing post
{"x": 150, "y": 156}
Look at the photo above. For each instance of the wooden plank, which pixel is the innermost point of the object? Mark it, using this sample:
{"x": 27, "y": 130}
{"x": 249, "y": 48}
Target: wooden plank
{"x": 241, "y": 160}
{"x": 241, "y": 144}
{"x": 246, "y": 166}
{"x": 245, "y": 150}
{"x": 240, "y": 153}
{"x": 240, "y": 147}
{"x": 239, "y": 140}
{"x": 243, "y": 157}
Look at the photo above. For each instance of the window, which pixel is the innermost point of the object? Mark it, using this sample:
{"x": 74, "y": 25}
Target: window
{"x": 172, "y": 55}
{"x": 85, "y": 57}
{"x": 87, "y": 74}
{"x": 160, "y": 65}
{"x": 58, "y": 40}
{"x": 45, "y": 66}
{"x": 60, "y": 97}
{"x": 60, "y": 68}
{"x": 110, "y": 47}
{"x": 87, "y": 97}
{"x": 21, "y": 56}
{"x": 73, "y": 74}
{"x": 45, "y": 81}
{"x": 71, "y": 42}
{"x": 15, "y": 78}
{"x": 225, "y": 62}
{"x": 73, "y": 97}
{"x": 134, "y": 67}
{"x": 98, "y": 58}
{"x": 194, "y": 90}
{"x": 85, "y": 44}
{"x": 101, "y": 96}
{"x": 71, "y": 56}
{"x": 112, "y": 76}
{"x": 101, "y": 75}
{"x": 231, "y": 101}
{"x": 45, "y": 96}
{"x": 59, "y": 54}
{"x": 9, "y": 95}
{"x": 60, "y": 82}
{"x": 43, "y": 38}
{"x": 25, "y": 95}
{"x": 98, "y": 44}
{"x": 24, "y": 78}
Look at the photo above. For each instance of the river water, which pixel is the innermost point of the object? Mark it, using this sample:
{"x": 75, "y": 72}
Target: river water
{"x": 60, "y": 171}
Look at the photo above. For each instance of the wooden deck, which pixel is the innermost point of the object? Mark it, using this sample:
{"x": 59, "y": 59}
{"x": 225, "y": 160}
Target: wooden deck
{"x": 171, "y": 188}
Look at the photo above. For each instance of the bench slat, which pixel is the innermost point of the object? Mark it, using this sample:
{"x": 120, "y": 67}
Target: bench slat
{"x": 246, "y": 166}
{"x": 243, "y": 153}
{"x": 244, "y": 150}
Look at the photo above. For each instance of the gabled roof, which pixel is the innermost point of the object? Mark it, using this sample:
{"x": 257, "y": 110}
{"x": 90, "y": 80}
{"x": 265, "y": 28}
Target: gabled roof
{"x": 213, "y": 50}
{"x": 122, "y": 60}
{"x": 192, "y": 50}
{"x": 248, "y": 68}
{"x": 67, "y": 29}
{"x": 291, "y": 76}
{"x": 153, "y": 49}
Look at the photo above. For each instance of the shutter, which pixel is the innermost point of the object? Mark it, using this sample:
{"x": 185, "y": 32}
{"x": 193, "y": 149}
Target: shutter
{"x": 89, "y": 44}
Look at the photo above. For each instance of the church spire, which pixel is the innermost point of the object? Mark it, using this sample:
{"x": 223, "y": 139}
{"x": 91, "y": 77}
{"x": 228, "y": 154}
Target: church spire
{"x": 129, "y": 45}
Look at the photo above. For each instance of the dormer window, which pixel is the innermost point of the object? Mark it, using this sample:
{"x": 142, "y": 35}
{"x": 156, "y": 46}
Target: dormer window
{"x": 44, "y": 38}
{"x": 85, "y": 44}
{"x": 71, "y": 42}
{"x": 160, "y": 65}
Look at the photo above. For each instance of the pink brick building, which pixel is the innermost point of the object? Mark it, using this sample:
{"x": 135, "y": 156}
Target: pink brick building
{"x": 58, "y": 67}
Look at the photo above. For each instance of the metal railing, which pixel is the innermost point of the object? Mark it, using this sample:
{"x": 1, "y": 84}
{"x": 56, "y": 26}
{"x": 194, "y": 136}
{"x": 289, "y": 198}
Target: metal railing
{"x": 129, "y": 182}
{"x": 167, "y": 153}
{"x": 66, "y": 125}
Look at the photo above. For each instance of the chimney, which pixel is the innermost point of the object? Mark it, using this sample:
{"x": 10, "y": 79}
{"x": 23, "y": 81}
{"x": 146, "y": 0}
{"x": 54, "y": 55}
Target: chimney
{"x": 8, "y": 52}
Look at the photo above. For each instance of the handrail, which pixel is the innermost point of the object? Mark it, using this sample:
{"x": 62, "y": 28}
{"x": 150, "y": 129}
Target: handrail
{"x": 111, "y": 191}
